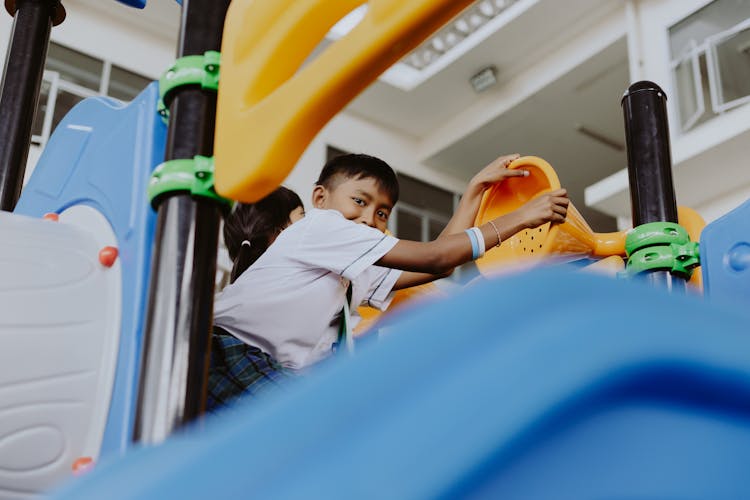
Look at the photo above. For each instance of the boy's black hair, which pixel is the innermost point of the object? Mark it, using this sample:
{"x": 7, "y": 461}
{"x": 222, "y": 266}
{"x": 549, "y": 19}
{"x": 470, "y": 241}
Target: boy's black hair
{"x": 360, "y": 166}
{"x": 259, "y": 223}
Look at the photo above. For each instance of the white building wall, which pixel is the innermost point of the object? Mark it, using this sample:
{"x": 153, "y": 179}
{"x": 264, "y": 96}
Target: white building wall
{"x": 353, "y": 134}
{"x": 101, "y": 34}
{"x": 711, "y": 172}
{"x": 710, "y": 166}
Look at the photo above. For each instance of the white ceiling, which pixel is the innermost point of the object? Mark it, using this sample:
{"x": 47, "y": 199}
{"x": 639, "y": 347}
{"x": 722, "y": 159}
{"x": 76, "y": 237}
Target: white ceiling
{"x": 161, "y": 18}
{"x": 544, "y": 124}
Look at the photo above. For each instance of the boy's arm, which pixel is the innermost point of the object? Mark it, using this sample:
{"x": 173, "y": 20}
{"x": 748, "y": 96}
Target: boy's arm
{"x": 466, "y": 212}
{"x": 445, "y": 253}
{"x": 409, "y": 279}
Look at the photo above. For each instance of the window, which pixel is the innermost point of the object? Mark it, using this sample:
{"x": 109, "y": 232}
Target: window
{"x": 710, "y": 52}
{"x": 422, "y": 210}
{"x": 71, "y": 76}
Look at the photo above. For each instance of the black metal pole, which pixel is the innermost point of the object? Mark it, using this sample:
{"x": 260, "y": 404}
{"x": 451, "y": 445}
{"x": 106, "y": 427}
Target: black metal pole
{"x": 22, "y": 79}
{"x": 652, "y": 194}
{"x": 180, "y": 307}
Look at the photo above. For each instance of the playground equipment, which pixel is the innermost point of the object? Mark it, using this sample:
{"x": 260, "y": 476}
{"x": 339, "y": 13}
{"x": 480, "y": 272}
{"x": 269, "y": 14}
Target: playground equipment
{"x": 573, "y": 239}
{"x": 725, "y": 250}
{"x": 71, "y": 332}
{"x": 479, "y": 413}
{"x": 449, "y": 405}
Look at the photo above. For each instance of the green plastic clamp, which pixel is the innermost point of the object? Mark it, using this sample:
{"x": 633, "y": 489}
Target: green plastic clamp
{"x": 677, "y": 258}
{"x": 202, "y": 71}
{"x": 195, "y": 176}
{"x": 655, "y": 234}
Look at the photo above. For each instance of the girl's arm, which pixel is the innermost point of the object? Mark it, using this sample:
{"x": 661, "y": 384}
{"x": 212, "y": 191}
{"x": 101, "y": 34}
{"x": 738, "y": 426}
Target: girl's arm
{"x": 445, "y": 253}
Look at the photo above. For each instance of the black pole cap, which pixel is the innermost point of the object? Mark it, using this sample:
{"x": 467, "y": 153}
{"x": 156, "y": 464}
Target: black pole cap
{"x": 58, "y": 15}
{"x": 643, "y": 86}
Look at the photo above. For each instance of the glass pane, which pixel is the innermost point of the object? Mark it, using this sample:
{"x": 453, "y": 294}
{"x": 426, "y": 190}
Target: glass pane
{"x": 75, "y": 67}
{"x": 708, "y": 113}
{"x": 409, "y": 226}
{"x": 717, "y": 16}
{"x": 733, "y": 58}
{"x": 41, "y": 109}
{"x": 124, "y": 84}
{"x": 64, "y": 103}
{"x": 687, "y": 98}
{"x": 435, "y": 228}
{"x": 420, "y": 194}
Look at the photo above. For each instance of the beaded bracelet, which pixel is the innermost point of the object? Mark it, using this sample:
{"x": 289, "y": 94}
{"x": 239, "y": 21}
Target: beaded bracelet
{"x": 499, "y": 240}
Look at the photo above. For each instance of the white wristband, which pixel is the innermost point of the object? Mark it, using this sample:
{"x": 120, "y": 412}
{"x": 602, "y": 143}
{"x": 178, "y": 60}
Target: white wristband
{"x": 480, "y": 237}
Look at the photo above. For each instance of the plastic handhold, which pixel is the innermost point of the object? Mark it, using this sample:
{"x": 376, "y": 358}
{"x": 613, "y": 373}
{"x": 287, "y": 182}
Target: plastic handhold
{"x": 51, "y": 216}
{"x": 108, "y": 256}
{"x": 738, "y": 257}
{"x": 82, "y": 465}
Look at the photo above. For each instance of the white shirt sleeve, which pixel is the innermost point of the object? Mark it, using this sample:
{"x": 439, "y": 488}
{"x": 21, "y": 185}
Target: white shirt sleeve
{"x": 344, "y": 247}
{"x": 380, "y": 282}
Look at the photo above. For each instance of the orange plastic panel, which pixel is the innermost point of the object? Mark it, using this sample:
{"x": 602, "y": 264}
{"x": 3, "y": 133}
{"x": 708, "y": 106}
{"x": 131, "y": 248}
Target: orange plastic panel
{"x": 694, "y": 224}
{"x": 572, "y": 238}
{"x": 370, "y": 315}
{"x": 608, "y": 266}
{"x": 269, "y": 109}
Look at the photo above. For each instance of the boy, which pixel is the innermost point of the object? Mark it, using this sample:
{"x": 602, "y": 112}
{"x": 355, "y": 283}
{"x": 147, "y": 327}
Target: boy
{"x": 288, "y": 305}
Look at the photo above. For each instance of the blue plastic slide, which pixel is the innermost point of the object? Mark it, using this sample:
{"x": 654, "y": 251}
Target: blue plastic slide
{"x": 547, "y": 384}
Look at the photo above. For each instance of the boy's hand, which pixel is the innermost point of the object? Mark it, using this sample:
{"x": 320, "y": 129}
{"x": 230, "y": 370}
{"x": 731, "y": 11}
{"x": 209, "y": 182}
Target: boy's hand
{"x": 549, "y": 207}
{"x": 496, "y": 172}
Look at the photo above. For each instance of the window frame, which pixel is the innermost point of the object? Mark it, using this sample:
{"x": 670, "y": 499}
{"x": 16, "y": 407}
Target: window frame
{"x": 714, "y": 72}
{"x": 58, "y": 83}
{"x": 691, "y": 54}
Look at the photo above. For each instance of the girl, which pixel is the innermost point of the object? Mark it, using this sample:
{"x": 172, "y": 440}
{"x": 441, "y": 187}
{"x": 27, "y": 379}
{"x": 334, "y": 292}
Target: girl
{"x": 237, "y": 368}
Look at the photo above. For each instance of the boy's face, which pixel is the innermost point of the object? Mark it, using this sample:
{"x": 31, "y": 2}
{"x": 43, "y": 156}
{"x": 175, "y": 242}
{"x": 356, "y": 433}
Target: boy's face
{"x": 359, "y": 200}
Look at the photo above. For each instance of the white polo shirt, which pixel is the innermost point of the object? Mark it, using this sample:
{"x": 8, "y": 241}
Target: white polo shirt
{"x": 289, "y": 302}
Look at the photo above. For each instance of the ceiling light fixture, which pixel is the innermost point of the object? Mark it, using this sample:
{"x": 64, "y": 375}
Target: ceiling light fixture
{"x": 472, "y": 19}
{"x": 484, "y": 79}
{"x": 473, "y": 25}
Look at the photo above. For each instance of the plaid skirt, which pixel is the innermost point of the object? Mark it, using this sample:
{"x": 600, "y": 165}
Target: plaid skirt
{"x": 240, "y": 370}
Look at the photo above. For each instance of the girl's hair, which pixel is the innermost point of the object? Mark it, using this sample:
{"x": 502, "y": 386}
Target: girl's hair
{"x": 259, "y": 223}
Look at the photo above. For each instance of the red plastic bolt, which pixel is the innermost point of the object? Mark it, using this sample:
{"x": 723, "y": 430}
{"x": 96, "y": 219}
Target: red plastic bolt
{"x": 81, "y": 465}
{"x": 108, "y": 256}
{"x": 51, "y": 216}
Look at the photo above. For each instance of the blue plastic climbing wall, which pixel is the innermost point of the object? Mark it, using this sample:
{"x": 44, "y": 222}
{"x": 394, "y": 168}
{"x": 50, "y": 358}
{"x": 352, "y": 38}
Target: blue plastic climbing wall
{"x": 101, "y": 155}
